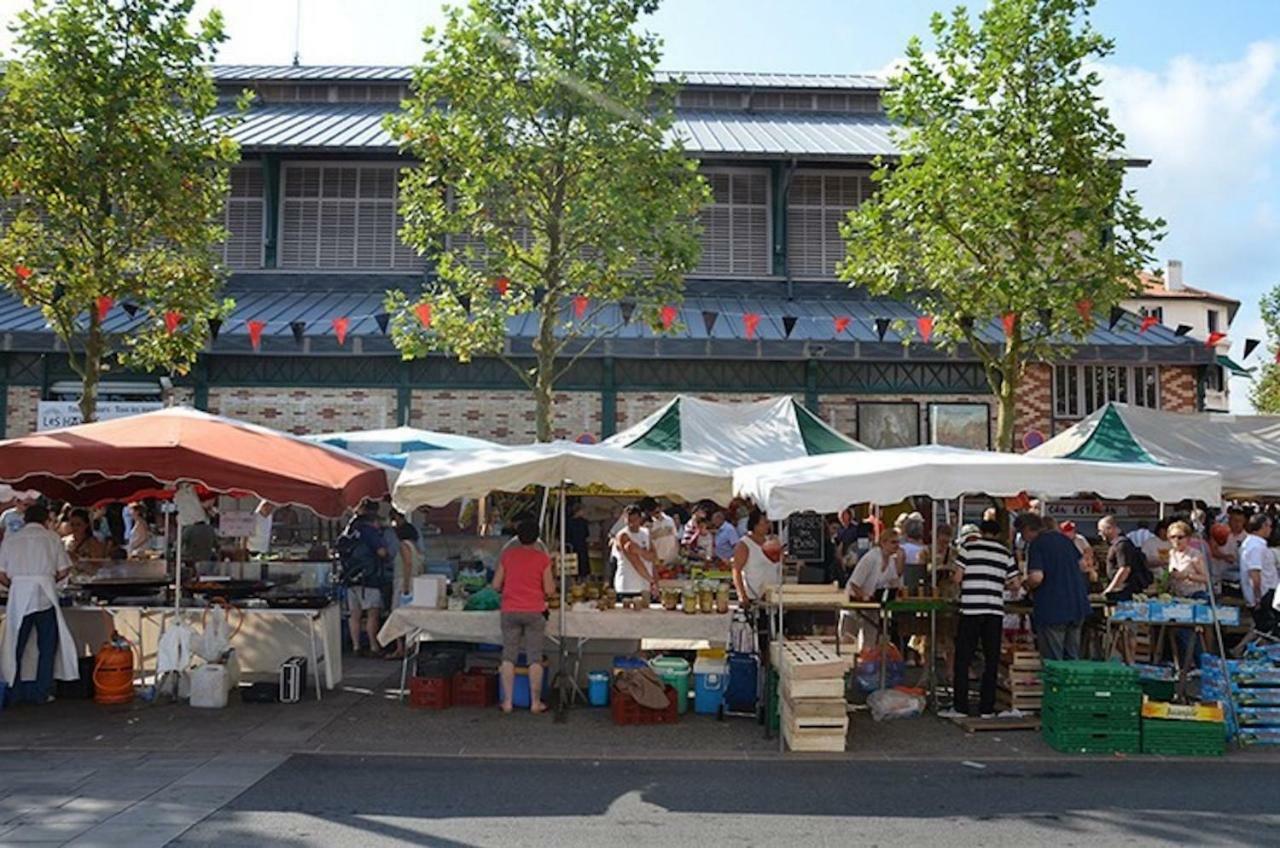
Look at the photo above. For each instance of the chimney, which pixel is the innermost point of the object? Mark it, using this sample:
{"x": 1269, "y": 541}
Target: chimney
{"x": 1173, "y": 275}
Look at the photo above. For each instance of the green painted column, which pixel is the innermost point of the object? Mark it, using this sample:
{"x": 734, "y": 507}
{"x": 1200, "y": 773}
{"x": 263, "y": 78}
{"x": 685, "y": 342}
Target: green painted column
{"x": 608, "y": 400}
{"x": 271, "y": 202}
{"x": 811, "y": 385}
{"x": 404, "y": 395}
{"x": 778, "y": 174}
{"x": 200, "y": 376}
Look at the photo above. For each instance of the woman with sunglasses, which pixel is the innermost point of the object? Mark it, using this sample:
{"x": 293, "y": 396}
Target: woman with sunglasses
{"x": 1187, "y": 569}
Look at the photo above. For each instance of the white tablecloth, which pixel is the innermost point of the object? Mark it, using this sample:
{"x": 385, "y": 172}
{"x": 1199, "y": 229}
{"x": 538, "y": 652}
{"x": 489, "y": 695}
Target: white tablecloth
{"x": 454, "y": 625}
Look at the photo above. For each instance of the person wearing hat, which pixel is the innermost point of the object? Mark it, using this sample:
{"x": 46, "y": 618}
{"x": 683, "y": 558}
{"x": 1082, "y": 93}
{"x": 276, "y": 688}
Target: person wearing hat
{"x": 1069, "y": 529}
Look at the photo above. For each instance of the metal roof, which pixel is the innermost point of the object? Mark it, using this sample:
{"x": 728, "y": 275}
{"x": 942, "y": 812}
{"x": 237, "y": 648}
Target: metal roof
{"x": 280, "y": 299}
{"x": 403, "y": 73}
{"x": 338, "y": 126}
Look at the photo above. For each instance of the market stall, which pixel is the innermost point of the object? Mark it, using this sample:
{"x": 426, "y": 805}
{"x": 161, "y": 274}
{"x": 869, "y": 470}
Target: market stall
{"x": 170, "y": 450}
{"x": 432, "y": 480}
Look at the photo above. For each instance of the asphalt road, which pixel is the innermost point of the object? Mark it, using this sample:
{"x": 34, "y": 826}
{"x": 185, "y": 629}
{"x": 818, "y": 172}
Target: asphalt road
{"x": 380, "y": 801}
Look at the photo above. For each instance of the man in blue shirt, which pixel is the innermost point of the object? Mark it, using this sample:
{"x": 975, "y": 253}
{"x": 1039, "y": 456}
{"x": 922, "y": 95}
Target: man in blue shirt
{"x": 726, "y": 536}
{"x": 1061, "y": 595}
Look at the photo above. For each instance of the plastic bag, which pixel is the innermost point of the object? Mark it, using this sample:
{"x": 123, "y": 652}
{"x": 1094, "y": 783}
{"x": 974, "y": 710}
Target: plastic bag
{"x": 867, "y": 672}
{"x": 894, "y": 703}
{"x": 484, "y": 600}
{"x": 173, "y": 653}
{"x": 213, "y": 643}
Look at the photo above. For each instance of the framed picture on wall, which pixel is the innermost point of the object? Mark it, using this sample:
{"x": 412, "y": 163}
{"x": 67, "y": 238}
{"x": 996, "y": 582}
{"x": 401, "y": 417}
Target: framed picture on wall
{"x": 889, "y": 425}
{"x": 960, "y": 425}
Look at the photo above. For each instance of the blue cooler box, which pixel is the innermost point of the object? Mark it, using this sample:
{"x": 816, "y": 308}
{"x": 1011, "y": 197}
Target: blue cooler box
{"x": 520, "y": 696}
{"x": 743, "y": 684}
{"x": 598, "y": 688}
{"x": 710, "y": 681}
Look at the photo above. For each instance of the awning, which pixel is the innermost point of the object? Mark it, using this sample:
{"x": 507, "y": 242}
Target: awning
{"x": 391, "y": 446}
{"x": 1233, "y": 366}
{"x": 435, "y": 479}
{"x": 828, "y": 484}
{"x": 1245, "y": 449}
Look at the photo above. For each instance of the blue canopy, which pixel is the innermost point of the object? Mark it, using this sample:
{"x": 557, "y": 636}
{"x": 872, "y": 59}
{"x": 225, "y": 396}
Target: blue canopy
{"x": 392, "y": 445}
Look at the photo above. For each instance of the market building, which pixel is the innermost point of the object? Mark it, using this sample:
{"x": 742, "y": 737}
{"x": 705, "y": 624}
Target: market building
{"x": 312, "y": 216}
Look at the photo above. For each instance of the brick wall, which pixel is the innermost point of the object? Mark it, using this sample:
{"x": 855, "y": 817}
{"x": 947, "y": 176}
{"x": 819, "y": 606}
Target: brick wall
{"x": 1178, "y": 388}
{"x": 20, "y": 414}
{"x": 1034, "y": 403}
{"x": 309, "y": 410}
{"x": 504, "y": 416}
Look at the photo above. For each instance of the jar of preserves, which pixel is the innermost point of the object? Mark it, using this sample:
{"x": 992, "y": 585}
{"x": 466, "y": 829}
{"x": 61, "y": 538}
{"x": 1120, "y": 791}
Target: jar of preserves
{"x": 690, "y": 600}
{"x": 706, "y": 598}
{"x": 722, "y": 598}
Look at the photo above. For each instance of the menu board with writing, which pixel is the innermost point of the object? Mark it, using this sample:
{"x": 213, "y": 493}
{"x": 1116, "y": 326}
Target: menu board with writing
{"x": 806, "y": 537}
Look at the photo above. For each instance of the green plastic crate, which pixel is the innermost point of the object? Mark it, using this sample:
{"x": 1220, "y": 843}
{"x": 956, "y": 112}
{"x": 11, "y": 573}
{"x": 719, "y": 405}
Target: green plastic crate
{"x": 1089, "y": 673}
{"x": 1092, "y": 696}
{"x": 774, "y": 711}
{"x": 1095, "y": 742}
{"x": 1159, "y": 690}
{"x": 1088, "y": 724}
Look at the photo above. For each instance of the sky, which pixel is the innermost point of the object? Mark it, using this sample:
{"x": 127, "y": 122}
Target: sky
{"x": 1194, "y": 85}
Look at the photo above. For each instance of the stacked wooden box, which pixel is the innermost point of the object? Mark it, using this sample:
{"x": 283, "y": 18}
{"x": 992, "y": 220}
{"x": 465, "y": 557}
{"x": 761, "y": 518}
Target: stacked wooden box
{"x": 1020, "y": 686}
{"x": 811, "y": 677}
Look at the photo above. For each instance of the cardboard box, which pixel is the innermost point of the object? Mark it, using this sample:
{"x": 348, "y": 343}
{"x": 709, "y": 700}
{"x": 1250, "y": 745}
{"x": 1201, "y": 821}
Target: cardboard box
{"x": 430, "y": 590}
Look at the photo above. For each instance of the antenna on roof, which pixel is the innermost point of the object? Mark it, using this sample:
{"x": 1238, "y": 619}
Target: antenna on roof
{"x": 297, "y": 32}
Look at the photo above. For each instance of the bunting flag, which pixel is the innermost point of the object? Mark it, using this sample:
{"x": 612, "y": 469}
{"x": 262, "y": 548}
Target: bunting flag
{"x": 1148, "y": 322}
{"x": 299, "y": 329}
{"x": 1046, "y": 316}
{"x": 1182, "y": 330}
{"x": 215, "y": 327}
{"x": 423, "y": 311}
{"x": 464, "y": 300}
{"x": 882, "y": 327}
{"x": 1085, "y": 308}
{"x": 966, "y": 323}
{"x": 503, "y": 285}
{"x": 172, "y": 319}
{"x": 59, "y": 292}
{"x": 104, "y": 306}
{"x": 255, "y": 333}
{"x": 788, "y": 324}
{"x": 22, "y": 272}
{"x": 384, "y": 321}
{"x": 842, "y": 323}
{"x": 709, "y": 320}
{"x": 1116, "y": 314}
{"x": 539, "y": 295}
{"x": 130, "y": 308}
{"x": 1009, "y": 321}
{"x": 580, "y": 306}
{"x": 1278, "y": 354}
{"x": 340, "y": 327}
{"x": 1214, "y": 338}
{"x": 750, "y": 323}
{"x": 925, "y": 325}
{"x": 628, "y": 309}
{"x": 1250, "y": 345}
{"x": 668, "y": 316}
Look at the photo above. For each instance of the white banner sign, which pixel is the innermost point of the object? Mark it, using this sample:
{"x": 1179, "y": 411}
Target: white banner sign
{"x": 52, "y": 414}
{"x": 237, "y": 525}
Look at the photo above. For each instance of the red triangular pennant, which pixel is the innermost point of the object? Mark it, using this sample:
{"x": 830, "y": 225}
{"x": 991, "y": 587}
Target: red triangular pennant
{"x": 172, "y": 319}
{"x": 580, "y": 306}
{"x": 1010, "y": 322}
{"x": 340, "y": 327}
{"x": 668, "y": 316}
{"x": 842, "y": 323}
{"x": 423, "y": 311}
{"x": 1147, "y": 323}
{"x": 255, "y": 332}
{"x": 750, "y": 323}
{"x": 1085, "y": 308}
{"x": 925, "y": 325}
{"x": 104, "y": 306}
{"x": 22, "y": 271}
{"x": 503, "y": 285}
{"x": 1214, "y": 338}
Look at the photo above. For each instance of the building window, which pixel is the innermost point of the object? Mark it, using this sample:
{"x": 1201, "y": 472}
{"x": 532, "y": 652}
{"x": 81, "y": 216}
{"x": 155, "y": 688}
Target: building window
{"x": 817, "y": 204}
{"x": 1213, "y": 321}
{"x": 1079, "y": 390}
{"x": 1156, "y": 312}
{"x": 243, "y": 217}
{"x": 735, "y": 226}
{"x": 1215, "y": 379}
{"x": 343, "y": 216}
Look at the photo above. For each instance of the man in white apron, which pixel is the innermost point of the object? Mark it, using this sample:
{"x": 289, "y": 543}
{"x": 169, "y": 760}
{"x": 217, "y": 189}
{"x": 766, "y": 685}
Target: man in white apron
{"x": 32, "y": 561}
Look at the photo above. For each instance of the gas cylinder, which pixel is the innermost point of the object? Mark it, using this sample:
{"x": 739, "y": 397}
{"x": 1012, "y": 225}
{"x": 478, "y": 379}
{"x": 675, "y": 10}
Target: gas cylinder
{"x": 113, "y": 671}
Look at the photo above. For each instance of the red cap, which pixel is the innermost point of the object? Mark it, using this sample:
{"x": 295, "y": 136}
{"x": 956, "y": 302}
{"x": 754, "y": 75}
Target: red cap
{"x": 1067, "y": 527}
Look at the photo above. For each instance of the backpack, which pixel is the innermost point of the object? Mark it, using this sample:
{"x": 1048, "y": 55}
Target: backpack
{"x": 360, "y": 566}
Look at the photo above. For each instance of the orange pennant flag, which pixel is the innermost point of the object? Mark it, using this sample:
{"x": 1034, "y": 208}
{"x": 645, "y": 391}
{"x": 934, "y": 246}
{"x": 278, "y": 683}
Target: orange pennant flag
{"x": 340, "y": 327}
{"x": 423, "y": 311}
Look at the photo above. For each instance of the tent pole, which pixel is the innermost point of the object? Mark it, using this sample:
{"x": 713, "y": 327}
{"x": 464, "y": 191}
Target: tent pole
{"x": 565, "y": 689}
{"x": 933, "y": 612}
{"x": 177, "y": 567}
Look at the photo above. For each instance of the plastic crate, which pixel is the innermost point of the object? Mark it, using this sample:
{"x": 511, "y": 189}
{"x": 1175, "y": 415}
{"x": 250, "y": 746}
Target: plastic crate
{"x": 1159, "y": 690}
{"x": 475, "y": 689}
{"x": 431, "y": 693}
{"x": 625, "y": 710}
{"x": 1094, "y": 742}
{"x": 1091, "y": 696}
{"x": 1259, "y": 716}
{"x": 1175, "y": 738}
{"x": 1089, "y": 672}
{"x": 1080, "y": 720}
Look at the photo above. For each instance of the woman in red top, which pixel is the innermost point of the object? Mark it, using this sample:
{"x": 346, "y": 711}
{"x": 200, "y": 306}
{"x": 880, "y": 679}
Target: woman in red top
{"x": 524, "y": 579}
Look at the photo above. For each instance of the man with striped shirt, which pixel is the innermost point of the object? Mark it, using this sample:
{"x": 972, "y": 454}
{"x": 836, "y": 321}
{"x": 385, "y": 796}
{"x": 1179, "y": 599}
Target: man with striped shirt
{"x": 983, "y": 569}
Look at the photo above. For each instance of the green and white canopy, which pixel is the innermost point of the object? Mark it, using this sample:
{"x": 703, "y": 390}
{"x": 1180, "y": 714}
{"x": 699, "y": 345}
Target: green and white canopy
{"x": 735, "y": 434}
{"x": 1244, "y": 449}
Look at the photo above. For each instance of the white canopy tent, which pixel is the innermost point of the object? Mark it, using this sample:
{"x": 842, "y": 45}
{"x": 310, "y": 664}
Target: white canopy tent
{"x": 830, "y": 483}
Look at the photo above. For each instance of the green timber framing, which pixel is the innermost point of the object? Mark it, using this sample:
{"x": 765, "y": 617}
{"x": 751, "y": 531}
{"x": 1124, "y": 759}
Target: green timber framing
{"x": 606, "y": 376}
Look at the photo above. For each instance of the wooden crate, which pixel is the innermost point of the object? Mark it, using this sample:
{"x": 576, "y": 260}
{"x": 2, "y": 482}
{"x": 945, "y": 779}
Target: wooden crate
{"x": 806, "y": 660}
{"x": 827, "y": 687}
{"x": 819, "y": 725}
{"x": 814, "y": 741}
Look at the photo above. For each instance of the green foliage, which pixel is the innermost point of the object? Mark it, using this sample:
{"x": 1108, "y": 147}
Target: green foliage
{"x": 1265, "y": 391}
{"x": 545, "y": 162}
{"x": 1009, "y": 195}
{"x": 115, "y": 165}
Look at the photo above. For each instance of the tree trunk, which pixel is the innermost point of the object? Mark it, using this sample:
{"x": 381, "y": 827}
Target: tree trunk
{"x": 1006, "y": 412}
{"x": 91, "y": 368}
{"x": 544, "y": 378}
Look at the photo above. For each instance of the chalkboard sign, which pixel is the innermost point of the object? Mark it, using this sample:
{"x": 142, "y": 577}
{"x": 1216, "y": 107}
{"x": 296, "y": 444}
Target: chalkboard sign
{"x": 807, "y": 537}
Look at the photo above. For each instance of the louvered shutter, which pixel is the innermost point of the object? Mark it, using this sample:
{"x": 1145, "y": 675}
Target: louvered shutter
{"x": 817, "y": 206}
{"x": 243, "y": 218}
{"x": 735, "y": 227}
